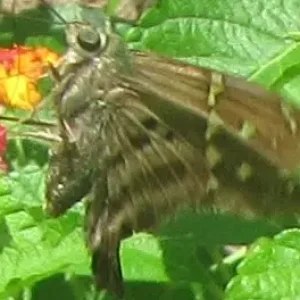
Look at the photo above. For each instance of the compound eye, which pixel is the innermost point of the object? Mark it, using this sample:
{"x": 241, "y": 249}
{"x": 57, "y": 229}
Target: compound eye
{"x": 89, "y": 40}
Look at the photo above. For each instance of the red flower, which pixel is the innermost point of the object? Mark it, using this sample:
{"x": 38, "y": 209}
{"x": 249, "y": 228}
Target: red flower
{"x": 3, "y": 147}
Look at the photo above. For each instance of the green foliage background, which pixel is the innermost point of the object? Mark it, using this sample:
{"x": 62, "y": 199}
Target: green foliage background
{"x": 45, "y": 258}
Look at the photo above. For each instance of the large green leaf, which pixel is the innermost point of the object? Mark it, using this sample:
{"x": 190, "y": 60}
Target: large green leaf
{"x": 246, "y": 38}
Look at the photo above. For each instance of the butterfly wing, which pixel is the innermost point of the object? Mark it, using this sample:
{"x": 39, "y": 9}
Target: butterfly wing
{"x": 151, "y": 172}
{"x": 238, "y": 103}
{"x": 249, "y": 140}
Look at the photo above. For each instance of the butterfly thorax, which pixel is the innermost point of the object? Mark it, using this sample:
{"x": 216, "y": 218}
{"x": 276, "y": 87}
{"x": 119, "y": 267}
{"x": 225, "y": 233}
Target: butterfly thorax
{"x": 90, "y": 68}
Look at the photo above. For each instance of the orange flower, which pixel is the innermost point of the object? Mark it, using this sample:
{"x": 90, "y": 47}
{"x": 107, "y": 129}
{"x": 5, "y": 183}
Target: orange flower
{"x": 20, "y": 69}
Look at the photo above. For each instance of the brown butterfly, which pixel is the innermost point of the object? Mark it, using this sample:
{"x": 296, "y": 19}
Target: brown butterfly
{"x": 143, "y": 137}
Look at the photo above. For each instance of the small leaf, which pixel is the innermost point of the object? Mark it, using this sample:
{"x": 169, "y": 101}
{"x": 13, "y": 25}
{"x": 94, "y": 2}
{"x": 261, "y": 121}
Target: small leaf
{"x": 270, "y": 271}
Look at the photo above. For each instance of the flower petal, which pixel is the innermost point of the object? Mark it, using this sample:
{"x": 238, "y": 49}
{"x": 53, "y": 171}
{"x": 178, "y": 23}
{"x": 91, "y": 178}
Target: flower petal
{"x": 20, "y": 92}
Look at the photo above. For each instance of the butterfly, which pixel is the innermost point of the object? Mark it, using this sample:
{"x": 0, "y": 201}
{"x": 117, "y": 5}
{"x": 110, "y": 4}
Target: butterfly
{"x": 143, "y": 136}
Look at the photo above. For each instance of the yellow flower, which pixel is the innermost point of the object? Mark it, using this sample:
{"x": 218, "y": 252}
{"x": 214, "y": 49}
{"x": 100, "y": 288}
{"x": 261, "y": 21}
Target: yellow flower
{"x": 20, "y": 92}
{"x": 20, "y": 69}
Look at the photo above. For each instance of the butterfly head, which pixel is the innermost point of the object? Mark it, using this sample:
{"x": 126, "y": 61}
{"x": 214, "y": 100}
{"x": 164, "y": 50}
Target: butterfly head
{"x": 87, "y": 40}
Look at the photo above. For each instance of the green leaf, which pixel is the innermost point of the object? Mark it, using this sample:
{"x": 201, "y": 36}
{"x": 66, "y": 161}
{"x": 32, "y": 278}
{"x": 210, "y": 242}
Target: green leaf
{"x": 215, "y": 228}
{"x": 22, "y": 27}
{"x": 241, "y": 38}
{"x": 34, "y": 247}
{"x": 157, "y": 264}
{"x": 172, "y": 258}
{"x": 270, "y": 271}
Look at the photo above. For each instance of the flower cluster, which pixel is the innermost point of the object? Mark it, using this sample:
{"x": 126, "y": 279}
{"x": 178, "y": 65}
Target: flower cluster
{"x": 20, "y": 69}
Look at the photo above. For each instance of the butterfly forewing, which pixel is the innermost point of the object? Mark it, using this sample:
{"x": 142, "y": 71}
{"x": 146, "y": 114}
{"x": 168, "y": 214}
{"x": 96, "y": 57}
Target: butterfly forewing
{"x": 239, "y": 103}
{"x": 247, "y": 134}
